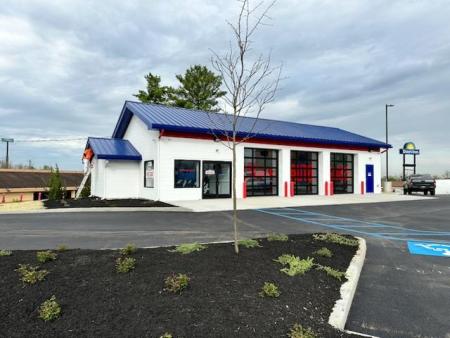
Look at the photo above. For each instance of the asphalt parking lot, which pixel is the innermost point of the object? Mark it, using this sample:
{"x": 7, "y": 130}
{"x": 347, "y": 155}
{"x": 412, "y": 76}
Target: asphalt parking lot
{"x": 399, "y": 295}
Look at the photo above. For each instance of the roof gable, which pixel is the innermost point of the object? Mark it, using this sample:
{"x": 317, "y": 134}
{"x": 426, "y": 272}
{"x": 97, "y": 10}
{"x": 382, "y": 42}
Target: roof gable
{"x": 157, "y": 116}
{"x": 113, "y": 149}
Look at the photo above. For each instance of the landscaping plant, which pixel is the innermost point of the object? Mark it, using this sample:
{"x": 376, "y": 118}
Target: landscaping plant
{"x": 128, "y": 249}
{"x": 61, "y": 248}
{"x": 56, "y": 189}
{"x": 176, "y": 283}
{"x": 249, "y": 243}
{"x": 332, "y": 272}
{"x": 298, "y": 331}
{"x": 31, "y": 274}
{"x": 277, "y": 237}
{"x": 188, "y": 248}
{"x": 324, "y": 252}
{"x": 49, "y": 310}
{"x": 166, "y": 335}
{"x": 45, "y": 256}
{"x": 332, "y": 237}
{"x": 296, "y": 266}
{"x": 269, "y": 290}
{"x": 125, "y": 264}
{"x": 4, "y": 253}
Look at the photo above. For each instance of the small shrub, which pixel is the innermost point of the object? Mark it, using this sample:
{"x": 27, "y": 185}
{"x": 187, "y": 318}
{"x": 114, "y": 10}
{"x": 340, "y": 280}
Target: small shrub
{"x": 31, "y": 274}
{"x": 324, "y": 252}
{"x": 332, "y": 272}
{"x": 176, "y": 283}
{"x": 128, "y": 249}
{"x": 125, "y": 264}
{"x": 188, "y": 248}
{"x": 298, "y": 331}
{"x": 45, "y": 256}
{"x": 49, "y": 310}
{"x": 269, "y": 290}
{"x": 61, "y": 248}
{"x": 277, "y": 237}
{"x": 336, "y": 238}
{"x": 249, "y": 243}
{"x": 166, "y": 335}
{"x": 4, "y": 253}
{"x": 296, "y": 266}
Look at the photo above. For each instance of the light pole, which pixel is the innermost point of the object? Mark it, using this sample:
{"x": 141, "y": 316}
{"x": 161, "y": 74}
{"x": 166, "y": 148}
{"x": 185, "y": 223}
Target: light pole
{"x": 387, "y": 141}
{"x": 7, "y": 140}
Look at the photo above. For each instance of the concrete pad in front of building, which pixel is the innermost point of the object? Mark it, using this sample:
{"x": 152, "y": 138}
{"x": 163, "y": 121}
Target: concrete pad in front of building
{"x": 206, "y": 205}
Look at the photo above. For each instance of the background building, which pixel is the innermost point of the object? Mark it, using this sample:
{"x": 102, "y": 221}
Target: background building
{"x": 166, "y": 153}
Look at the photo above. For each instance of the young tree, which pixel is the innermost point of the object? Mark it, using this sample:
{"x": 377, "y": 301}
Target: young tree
{"x": 199, "y": 89}
{"x": 155, "y": 93}
{"x": 251, "y": 83}
{"x": 56, "y": 189}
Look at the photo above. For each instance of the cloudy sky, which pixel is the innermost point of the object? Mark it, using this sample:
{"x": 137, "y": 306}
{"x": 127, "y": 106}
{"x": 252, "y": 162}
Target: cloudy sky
{"x": 66, "y": 67}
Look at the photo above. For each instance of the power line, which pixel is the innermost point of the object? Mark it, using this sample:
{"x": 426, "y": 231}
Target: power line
{"x": 51, "y": 140}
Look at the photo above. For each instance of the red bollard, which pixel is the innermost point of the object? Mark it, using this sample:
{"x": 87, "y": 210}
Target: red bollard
{"x": 3, "y": 199}
{"x": 39, "y": 196}
{"x": 244, "y": 190}
{"x": 326, "y": 188}
{"x": 292, "y": 189}
{"x": 285, "y": 189}
{"x": 362, "y": 187}
{"x": 331, "y": 188}
{"x": 21, "y": 197}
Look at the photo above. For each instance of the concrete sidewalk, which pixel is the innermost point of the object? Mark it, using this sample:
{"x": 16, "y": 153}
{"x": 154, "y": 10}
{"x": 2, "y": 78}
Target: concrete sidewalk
{"x": 225, "y": 204}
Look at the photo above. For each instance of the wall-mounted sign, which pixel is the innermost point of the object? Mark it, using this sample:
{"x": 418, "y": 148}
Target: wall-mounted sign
{"x": 409, "y": 148}
{"x": 210, "y": 172}
{"x": 149, "y": 172}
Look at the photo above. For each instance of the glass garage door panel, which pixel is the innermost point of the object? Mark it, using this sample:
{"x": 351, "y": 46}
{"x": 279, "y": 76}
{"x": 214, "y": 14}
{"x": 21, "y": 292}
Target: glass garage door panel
{"x": 342, "y": 173}
{"x": 261, "y": 171}
{"x": 305, "y": 172}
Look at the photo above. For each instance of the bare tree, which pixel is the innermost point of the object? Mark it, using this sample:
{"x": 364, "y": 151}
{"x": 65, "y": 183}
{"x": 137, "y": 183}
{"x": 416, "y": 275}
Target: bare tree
{"x": 251, "y": 82}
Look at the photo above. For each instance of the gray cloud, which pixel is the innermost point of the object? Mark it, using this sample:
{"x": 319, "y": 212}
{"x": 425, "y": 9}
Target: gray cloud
{"x": 66, "y": 67}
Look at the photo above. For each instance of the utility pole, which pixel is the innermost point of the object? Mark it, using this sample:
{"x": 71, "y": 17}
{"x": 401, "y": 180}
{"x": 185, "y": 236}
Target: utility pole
{"x": 387, "y": 142}
{"x": 7, "y": 140}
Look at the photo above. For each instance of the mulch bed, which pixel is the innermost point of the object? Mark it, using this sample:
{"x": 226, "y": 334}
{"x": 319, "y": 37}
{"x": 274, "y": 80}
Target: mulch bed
{"x": 97, "y": 202}
{"x": 221, "y": 301}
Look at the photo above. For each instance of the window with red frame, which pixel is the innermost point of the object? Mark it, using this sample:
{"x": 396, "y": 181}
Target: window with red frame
{"x": 342, "y": 172}
{"x": 304, "y": 172}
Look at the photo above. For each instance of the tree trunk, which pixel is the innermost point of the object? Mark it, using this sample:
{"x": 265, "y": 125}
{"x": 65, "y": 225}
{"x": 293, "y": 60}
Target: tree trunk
{"x": 235, "y": 225}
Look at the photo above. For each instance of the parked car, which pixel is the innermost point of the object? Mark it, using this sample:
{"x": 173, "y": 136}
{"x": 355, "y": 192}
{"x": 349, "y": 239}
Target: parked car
{"x": 425, "y": 183}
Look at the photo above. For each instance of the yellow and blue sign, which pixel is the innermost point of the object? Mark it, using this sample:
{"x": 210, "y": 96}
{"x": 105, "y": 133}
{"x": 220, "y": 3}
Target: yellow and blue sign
{"x": 409, "y": 148}
{"x": 430, "y": 249}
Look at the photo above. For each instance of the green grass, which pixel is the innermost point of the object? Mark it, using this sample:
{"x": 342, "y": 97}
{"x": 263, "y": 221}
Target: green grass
{"x": 4, "y": 253}
{"x": 295, "y": 265}
{"x": 332, "y": 272}
{"x": 128, "y": 249}
{"x": 45, "y": 256}
{"x": 188, "y": 248}
{"x": 277, "y": 237}
{"x": 324, "y": 252}
{"x": 269, "y": 290}
{"x": 125, "y": 264}
{"x": 298, "y": 331}
{"x": 31, "y": 274}
{"x": 249, "y": 243}
{"x": 49, "y": 310}
{"x": 336, "y": 238}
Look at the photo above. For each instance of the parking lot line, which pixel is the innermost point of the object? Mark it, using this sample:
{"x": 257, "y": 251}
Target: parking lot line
{"x": 360, "y": 227}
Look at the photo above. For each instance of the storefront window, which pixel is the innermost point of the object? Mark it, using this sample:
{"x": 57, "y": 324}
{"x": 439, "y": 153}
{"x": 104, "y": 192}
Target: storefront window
{"x": 187, "y": 174}
{"x": 149, "y": 174}
{"x": 304, "y": 172}
{"x": 261, "y": 171}
{"x": 342, "y": 173}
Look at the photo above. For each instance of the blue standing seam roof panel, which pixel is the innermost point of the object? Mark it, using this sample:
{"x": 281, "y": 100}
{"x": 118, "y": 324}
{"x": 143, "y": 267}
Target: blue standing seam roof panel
{"x": 113, "y": 149}
{"x": 157, "y": 116}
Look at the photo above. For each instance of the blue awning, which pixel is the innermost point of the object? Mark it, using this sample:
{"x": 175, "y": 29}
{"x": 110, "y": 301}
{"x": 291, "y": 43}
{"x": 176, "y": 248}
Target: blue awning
{"x": 113, "y": 149}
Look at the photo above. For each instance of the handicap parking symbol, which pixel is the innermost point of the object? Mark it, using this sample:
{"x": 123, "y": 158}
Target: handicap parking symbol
{"x": 427, "y": 248}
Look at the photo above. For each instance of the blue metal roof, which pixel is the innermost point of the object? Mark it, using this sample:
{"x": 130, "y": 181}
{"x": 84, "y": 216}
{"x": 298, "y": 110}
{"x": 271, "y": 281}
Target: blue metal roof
{"x": 113, "y": 149}
{"x": 157, "y": 116}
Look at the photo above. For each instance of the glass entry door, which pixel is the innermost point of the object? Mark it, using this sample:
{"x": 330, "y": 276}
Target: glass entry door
{"x": 216, "y": 179}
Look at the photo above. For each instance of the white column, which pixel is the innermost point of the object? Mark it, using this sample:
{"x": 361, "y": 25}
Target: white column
{"x": 239, "y": 170}
{"x": 324, "y": 171}
{"x": 284, "y": 174}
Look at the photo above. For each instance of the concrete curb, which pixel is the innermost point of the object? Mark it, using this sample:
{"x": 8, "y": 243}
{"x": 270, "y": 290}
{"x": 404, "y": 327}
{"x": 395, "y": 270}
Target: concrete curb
{"x": 341, "y": 309}
{"x": 95, "y": 209}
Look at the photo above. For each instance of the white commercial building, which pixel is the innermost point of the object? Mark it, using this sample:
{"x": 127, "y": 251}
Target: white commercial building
{"x": 165, "y": 153}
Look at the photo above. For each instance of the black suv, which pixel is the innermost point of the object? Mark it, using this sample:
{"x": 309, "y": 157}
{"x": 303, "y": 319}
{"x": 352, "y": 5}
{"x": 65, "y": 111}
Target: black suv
{"x": 424, "y": 183}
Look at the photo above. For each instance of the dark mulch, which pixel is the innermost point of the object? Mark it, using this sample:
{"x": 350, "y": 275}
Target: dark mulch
{"x": 221, "y": 301}
{"x": 94, "y": 202}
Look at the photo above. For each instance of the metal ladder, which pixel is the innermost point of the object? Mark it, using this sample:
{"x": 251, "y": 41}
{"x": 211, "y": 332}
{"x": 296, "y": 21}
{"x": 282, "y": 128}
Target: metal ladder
{"x": 83, "y": 182}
